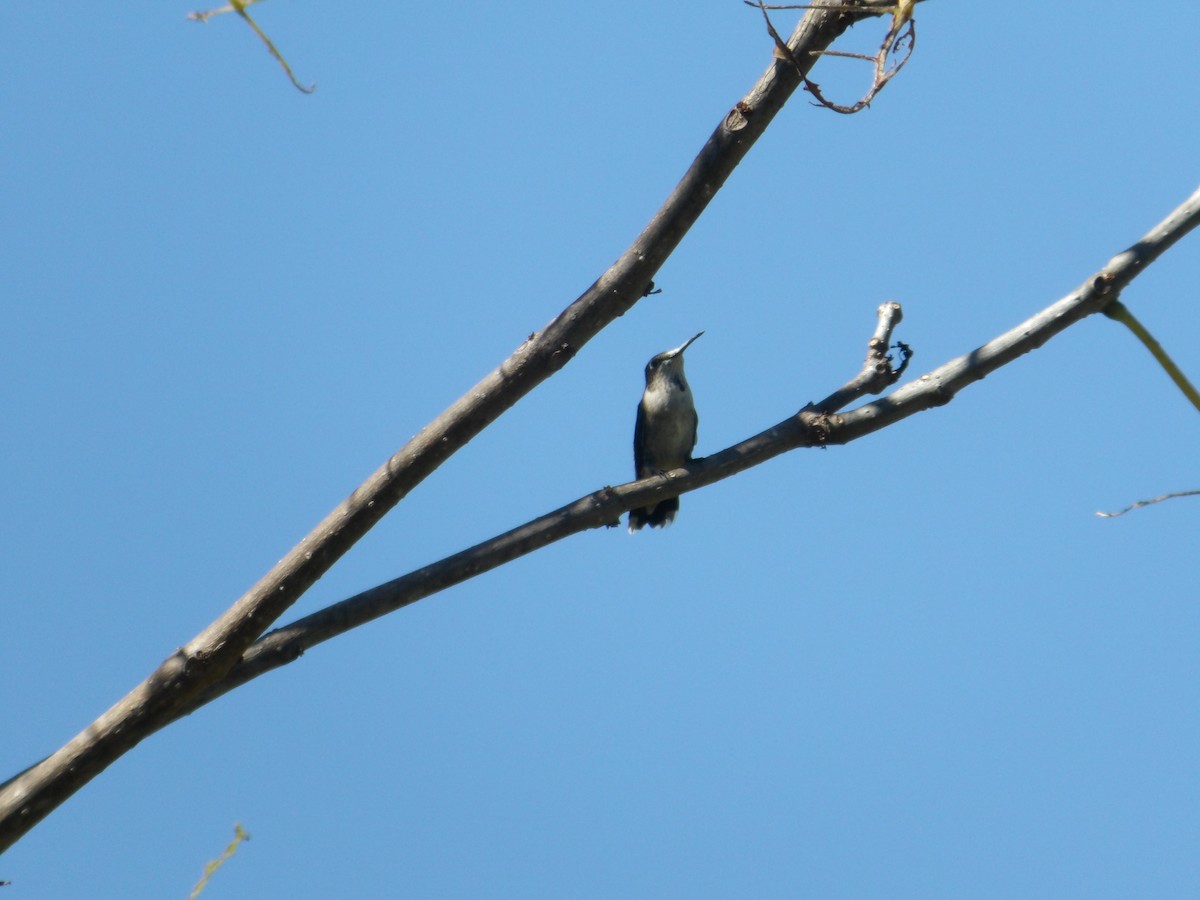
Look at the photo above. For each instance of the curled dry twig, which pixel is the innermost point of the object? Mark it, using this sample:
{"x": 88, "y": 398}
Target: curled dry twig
{"x": 901, "y": 38}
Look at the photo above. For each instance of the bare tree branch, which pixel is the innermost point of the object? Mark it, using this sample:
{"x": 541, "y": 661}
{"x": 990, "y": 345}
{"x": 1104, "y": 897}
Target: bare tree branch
{"x": 208, "y": 658}
{"x": 816, "y": 425}
{"x": 940, "y": 386}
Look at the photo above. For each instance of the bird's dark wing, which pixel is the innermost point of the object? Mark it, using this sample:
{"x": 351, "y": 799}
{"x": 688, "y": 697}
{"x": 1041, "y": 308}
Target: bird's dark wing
{"x": 640, "y": 464}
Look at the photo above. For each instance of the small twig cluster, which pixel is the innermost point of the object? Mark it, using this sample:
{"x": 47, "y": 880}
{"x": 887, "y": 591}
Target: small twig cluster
{"x": 899, "y": 42}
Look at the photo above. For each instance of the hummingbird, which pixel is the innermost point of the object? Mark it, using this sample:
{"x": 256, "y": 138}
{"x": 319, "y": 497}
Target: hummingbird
{"x": 665, "y": 432}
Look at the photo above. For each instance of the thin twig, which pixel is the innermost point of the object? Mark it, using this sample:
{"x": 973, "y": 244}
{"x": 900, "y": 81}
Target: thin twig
{"x": 208, "y": 14}
{"x": 239, "y": 835}
{"x": 1119, "y": 312}
{"x": 1141, "y": 503}
{"x": 239, "y": 7}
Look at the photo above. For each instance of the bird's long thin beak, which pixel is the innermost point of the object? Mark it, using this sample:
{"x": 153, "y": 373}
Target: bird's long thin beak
{"x": 685, "y": 345}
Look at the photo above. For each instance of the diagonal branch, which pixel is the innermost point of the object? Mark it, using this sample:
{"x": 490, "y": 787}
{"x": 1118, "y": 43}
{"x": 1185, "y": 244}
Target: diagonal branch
{"x": 208, "y": 658}
{"x": 818, "y": 424}
{"x": 940, "y": 386}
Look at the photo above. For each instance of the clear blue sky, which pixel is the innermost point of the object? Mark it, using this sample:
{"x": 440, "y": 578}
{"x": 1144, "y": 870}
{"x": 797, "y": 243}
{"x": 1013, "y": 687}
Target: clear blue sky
{"x": 918, "y": 666}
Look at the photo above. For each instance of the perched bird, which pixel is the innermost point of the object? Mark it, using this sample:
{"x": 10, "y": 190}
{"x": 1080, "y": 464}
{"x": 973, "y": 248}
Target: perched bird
{"x": 665, "y": 432}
